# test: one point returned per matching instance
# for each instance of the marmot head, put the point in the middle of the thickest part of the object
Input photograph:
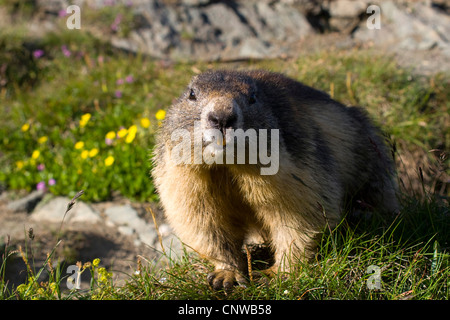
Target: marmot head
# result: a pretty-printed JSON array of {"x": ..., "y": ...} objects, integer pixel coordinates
[
  {"x": 219, "y": 112},
  {"x": 224, "y": 99}
]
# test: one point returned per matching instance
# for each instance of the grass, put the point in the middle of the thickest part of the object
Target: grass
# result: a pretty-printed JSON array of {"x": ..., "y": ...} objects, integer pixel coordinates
[
  {"x": 410, "y": 265},
  {"x": 80, "y": 115}
]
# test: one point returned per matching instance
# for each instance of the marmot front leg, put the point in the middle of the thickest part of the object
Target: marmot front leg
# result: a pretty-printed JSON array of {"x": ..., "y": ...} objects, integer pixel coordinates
[
  {"x": 228, "y": 261},
  {"x": 292, "y": 240},
  {"x": 291, "y": 248}
]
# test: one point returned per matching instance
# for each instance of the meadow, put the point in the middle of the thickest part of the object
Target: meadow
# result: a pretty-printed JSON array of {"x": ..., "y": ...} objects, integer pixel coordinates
[{"x": 78, "y": 114}]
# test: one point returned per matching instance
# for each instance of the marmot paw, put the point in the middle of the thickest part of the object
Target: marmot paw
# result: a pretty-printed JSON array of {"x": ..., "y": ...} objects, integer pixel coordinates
[{"x": 225, "y": 279}]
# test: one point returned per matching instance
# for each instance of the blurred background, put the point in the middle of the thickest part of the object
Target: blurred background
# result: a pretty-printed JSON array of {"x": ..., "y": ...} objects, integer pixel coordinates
[{"x": 84, "y": 86}]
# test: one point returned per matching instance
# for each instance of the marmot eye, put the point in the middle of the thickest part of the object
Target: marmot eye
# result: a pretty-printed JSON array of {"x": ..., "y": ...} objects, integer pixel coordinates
[
  {"x": 192, "y": 95},
  {"x": 252, "y": 99}
]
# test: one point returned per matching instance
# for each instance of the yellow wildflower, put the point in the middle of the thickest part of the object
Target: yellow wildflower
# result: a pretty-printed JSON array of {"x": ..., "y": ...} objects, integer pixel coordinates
[
  {"x": 84, "y": 154},
  {"x": 96, "y": 262},
  {"x": 93, "y": 152},
  {"x": 35, "y": 154},
  {"x": 131, "y": 134},
  {"x": 122, "y": 132},
  {"x": 21, "y": 288},
  {"x": 85, "y": 119},
  {"x": 104, "y": 276},
  {"x": 20, "y": 164},
  {"x": 53, "y": 286},
  {"x": 43, "y": 139},
  {"x": 145, "y": 123},
  {"x": 109, "y": 161},
  {"x": 132, "y": 129},
  {"x": 79, "y": 145},
  {"x": 110, "y": 135},
  {"x": 160, "y": 115},
  {"x": 25, "y": 127}
]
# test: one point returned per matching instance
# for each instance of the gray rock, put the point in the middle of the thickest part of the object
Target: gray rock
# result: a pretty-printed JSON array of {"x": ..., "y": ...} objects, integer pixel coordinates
[
  {"x": 259, "y": 29},
  {"x": 27, "y": 203},
  {"x": 53, "y": 211},
  {"x": 165, "y": 230},
  {"x": 83, "y": 213},
  {"x": 121, "y": 215},
  {"x": 148, "y": 236},
  {"x": 173, "y": 247},
  {"x": 129, "y": 223},
  {"x": 415, "y": 32},
  {"x": 347, "y": 8},
  {"x": 213, "y": 30},
  {"x": 126, "y": 230},
  {"x": 422, "y": 29}
]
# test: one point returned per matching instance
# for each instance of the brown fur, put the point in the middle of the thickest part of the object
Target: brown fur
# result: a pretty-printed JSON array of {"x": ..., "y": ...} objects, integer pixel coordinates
[{"x": 331, "y": 159}]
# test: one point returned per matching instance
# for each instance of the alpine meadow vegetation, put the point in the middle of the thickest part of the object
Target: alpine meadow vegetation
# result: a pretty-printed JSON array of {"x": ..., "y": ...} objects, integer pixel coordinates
[{"x": 78, "y": 114}]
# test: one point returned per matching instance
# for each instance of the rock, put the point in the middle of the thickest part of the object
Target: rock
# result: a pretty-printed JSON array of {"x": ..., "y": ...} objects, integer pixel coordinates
[
  {"x": 423, "y": 30},
  {"x": 173, "y": 247},
  {"x": 165, "y": 230},
  {"x": 345, "y": 15},
  {"x": 171, "y": 243},
  {"x": 211, "y": 30},
  {"x": 126, "y": 230},
  {"x": 121, "y": 215},
  {"x": 215, "y": 30},
  {"x": 148, "y": 236},
  {"x": 54, "y": 210},
  {"x": 415, "y": 32},
  {"x": 347, "y": 8},
  {"x": 83, "y": 213},
  {"x": 27, "y": 203},
  {"x": 129, "y": 223}
]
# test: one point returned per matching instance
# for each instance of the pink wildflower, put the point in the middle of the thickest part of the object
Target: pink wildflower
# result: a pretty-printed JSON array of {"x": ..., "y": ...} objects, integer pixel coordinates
[
  {"x": 65, "y": 51},
  {"x": 129, "y": 79},
  {"x": 40, "y": 185},
  {"x": 38, "y": 53}
]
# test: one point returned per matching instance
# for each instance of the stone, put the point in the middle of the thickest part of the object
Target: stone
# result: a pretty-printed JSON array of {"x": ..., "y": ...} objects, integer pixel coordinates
[
  {"x": 402, "y": 30},
  {"x": 54, "y": 210},
  {"x": 126, "y": 230},
  {"x": 83, "y": 213},
  {"x": 148, "y": 236},
  {"x": 206, "y": 30},
  {"x": 347, "y": 8},
  {"x": 128, "y": 222},
  {"x": 121, "y": 215},
  {"x": 165, "y": 230},
  {"x": 173, "y": 246},
  {"x": 215, "y": 30},
  {"x": 27, "y": 203}
]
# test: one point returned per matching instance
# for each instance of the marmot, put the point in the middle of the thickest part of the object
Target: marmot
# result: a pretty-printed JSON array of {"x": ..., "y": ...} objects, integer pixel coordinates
[{"x": 331, "y": 159}]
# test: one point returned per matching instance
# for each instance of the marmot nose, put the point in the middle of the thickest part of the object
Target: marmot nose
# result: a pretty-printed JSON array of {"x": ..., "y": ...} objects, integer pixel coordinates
[{"x": 222, "y": 120}]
